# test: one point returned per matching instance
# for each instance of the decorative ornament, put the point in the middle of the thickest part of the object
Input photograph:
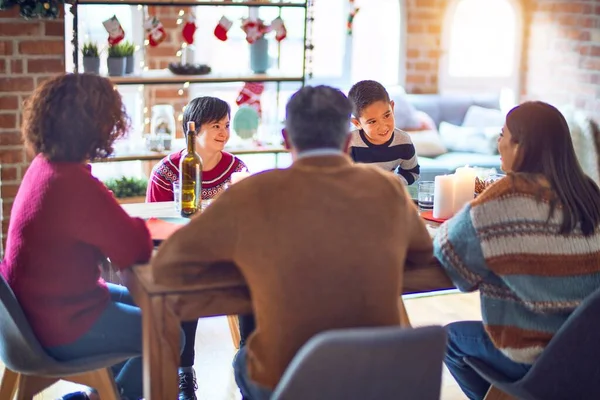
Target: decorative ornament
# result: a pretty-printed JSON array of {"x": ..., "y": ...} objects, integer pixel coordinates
[
  {"x": 254, "y": 29},
  {"x": 155, "y": 31},
  {"x": 250, "y": 95},
  {"x": 114, "y": 29},
  {"x": 279, "y": 27},
  {"x": 189, "y": 28},
  {"x": 222, "y": 28},
  {"x": 30, "y": 9},
  {"x": 245, "y": 122},
  {"x": 351, "y": 16}
]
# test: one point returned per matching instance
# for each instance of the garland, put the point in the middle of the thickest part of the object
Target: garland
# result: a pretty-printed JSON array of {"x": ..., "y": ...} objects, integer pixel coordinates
[{"x": 30, "y": 9}]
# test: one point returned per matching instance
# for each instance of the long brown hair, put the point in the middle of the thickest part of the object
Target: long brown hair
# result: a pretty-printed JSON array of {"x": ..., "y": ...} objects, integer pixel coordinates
[
  {"x": 546, "y": 148},
  {"x": 74, "y": 117}
]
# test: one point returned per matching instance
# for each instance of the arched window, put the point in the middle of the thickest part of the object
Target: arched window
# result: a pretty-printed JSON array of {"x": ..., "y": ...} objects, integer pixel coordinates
[{"x": 481, "y": 46}]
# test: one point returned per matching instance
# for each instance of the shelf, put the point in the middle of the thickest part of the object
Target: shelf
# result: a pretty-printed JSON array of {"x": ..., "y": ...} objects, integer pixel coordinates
[
  {"x": 195, "y": 3},
  {"x": 165, "y": 76},
  {"x": 157, "y": 155}
]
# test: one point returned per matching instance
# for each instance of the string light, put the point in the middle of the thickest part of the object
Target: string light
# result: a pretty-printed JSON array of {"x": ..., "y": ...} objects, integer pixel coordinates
[{"x": 180, "y": 92}]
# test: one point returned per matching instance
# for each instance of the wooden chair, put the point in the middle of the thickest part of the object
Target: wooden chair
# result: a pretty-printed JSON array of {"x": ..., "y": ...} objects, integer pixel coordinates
[{"x": 29, "y": 369}]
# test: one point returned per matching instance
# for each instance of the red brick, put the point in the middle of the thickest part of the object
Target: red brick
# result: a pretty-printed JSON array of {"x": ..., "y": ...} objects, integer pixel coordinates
[
  {"x": 16, "y": 66},
  {"x": 9, "y": 103},
  {"x": 11, "y": 138},
  {"x": 164, "y": 51},
  {"x": 10, "y": 190},
  {"x": 11, "y": 157},
  {"x": 20, "y": 84},
  {"x": 21, "y": 28},
  {"x": 10, "y": 13},
  {"x": 416, "y": 78},
  {"x": 8, "y": 121},
  {"x": 6, "y": 206},
  {"x": 9, "y": 173},
  {"x": 412, "y": 53},
  {"x": 3, "y": 65},
  {"x": 6, "y": 48},
  {"x": 166, "y": 93},
  {"x": 42, "y": 47},
  {"x": 37, "y": 66},
  {"x": 415, "y": 27},
  {"x": 423, "y": 66},
  {"x": 55, "y": 28}
]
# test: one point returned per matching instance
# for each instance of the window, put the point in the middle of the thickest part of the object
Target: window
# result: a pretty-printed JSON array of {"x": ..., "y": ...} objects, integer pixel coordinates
[{"x": 482, "y": 46}]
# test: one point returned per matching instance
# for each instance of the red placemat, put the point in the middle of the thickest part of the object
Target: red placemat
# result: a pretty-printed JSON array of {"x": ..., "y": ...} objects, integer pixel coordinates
[
  {"x": 160, "y": 229},
  {"x": 428, "y": 215}
]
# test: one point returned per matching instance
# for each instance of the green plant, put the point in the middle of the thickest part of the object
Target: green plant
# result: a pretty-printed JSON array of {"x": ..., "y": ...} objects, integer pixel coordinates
[
  {"x": 90, "y": 49},
  {"x": 127, "y": 187},
  {"x": 128, "y": 49},
  {"x": 116, "y": 51}
]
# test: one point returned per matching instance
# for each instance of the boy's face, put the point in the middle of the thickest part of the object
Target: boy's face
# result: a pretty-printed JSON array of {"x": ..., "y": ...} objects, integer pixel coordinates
[
  {"x": 377, "y": 121},
  {"x": 213, "y": 136}
]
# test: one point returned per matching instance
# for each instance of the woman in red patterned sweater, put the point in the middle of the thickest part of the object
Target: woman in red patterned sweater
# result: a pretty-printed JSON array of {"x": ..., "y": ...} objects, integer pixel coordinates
[
  {"x": 64, "y": 223},
  {"x": 211, "y": 116}
]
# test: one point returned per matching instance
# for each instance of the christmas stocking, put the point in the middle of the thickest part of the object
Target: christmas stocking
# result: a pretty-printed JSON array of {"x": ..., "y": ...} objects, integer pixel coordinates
[
  {"x": 114, "y": 29},
  {"x": 189, "y": 28},
  {"x": 155, "y": 31},
  {"x": 222, "y": 27},
  {"x": 279, "y": 28},
  {"x": 250, "y": 95},
  {"x": 254, "y": 29}
]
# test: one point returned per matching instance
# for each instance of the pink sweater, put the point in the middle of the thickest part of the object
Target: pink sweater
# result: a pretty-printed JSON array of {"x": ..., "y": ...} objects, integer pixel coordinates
[{"x": 63, "y": 221}]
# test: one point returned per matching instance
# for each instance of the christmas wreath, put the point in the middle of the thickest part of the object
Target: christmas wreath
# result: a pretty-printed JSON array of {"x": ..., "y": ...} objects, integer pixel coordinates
[{"x": 30, "y": 9}]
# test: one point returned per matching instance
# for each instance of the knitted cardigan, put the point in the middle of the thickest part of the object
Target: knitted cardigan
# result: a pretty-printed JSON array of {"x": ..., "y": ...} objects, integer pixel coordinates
[{"x": 530, "y": 277}]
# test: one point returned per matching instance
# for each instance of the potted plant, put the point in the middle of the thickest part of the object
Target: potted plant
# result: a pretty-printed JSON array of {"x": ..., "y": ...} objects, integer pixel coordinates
[
  {"x": 116, "y": 60},
  {"x": 128, "y": 190},
  {"x": 128, "y": 50},
  {"x": 91, "y": 58}
]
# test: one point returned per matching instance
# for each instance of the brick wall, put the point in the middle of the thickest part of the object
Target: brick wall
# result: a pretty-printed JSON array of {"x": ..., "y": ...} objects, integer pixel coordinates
[
  {"x": 160, "y": 56},
  {"x": 424, "y": 26},
  {"x": 30, "y": 51},
  {"x": 562, "y": 53}
]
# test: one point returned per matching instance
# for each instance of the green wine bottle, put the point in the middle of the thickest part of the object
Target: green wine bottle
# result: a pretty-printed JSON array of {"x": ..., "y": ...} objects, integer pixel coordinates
[{"x": 190, "y": 175}]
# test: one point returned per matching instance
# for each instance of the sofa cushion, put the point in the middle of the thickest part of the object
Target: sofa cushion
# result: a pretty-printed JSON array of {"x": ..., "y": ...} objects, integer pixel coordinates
[
  {"x": 482, "y": 140},
  {"x": 427, "y": 143}
]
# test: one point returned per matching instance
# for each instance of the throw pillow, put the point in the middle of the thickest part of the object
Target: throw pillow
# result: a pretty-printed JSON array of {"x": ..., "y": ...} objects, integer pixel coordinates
[
  {"x": 480, "y": 117},
  {"x": 427, "y": 143},
  {"x": 470, "y": 139}
]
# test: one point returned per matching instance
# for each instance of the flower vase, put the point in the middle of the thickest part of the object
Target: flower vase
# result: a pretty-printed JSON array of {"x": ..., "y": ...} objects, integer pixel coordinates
[{"x": 259, "y": 56}]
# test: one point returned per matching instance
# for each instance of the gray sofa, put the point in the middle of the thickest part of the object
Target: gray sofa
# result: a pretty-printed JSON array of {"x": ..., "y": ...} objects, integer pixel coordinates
[{"x": 451, "y": 108}]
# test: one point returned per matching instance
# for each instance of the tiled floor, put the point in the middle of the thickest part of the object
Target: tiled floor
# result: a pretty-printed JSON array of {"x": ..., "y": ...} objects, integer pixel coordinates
[{"x": 214, "y": 347}]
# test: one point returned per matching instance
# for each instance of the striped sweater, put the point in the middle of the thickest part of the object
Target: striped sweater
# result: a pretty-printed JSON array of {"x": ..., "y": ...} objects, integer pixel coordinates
[
  {"x": 397, "y": 154},
  {"x": 529, "y": 276}
]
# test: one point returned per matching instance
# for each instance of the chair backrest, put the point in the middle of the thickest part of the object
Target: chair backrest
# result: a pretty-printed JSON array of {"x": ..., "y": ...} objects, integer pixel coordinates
[
  {"x": 367, "y": 364},
  {"x": 569, "y": 367},
  {"x": 19, "y": 348}
]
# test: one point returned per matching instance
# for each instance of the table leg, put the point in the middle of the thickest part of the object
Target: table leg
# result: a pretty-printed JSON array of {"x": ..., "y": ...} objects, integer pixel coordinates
[{"x": 162, "y": 333}]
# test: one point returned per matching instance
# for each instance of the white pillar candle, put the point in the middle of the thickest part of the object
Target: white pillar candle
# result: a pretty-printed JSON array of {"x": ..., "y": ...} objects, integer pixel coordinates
[
  {"x": 443, "y": 196},
  {"x": 464, "y": 186},
  {"x": 238, "y": 176}
]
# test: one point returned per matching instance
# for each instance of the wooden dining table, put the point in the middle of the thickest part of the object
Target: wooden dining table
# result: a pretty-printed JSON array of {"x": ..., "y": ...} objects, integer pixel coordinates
[{"x": 222, "y": 291}]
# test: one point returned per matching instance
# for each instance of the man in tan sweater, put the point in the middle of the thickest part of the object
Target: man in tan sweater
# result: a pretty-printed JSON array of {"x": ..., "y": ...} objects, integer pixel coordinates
[{"x": 322, "y": 244}]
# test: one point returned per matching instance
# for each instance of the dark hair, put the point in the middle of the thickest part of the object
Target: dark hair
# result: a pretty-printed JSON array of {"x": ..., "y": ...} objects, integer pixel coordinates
[
  {"x": 318, "y": 118},
  {"x": 73, "y": 118},
  {"x": 365, "y": 93},
  {"x": 546, "y": 148},
  {"x": 203, "y": 110}
]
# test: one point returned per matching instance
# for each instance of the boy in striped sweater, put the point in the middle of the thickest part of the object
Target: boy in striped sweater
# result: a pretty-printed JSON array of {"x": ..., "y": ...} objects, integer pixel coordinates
[{"x": 376, "y": 139}]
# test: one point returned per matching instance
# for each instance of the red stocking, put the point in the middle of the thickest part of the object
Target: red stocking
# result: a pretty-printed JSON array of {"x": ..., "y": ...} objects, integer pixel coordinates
[
  {"x": 279, "y": 28},
  {"x": 189, "y": 28},
  {"x": 250, "y": 95},
  {"x": 114, "y": 29},
  {"x": 155, "y": 31},
  {"x": 222, "y": 27}
]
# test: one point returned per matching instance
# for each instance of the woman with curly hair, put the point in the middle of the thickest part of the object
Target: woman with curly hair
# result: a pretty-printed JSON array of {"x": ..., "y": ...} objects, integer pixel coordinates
[
  {"x": 530, "y": 243},
  {"x": 64, "y": 223}
]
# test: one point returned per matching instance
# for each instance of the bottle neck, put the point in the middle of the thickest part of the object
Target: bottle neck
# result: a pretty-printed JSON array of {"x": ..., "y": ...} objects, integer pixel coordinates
[{"x": 191, "y": 142}]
